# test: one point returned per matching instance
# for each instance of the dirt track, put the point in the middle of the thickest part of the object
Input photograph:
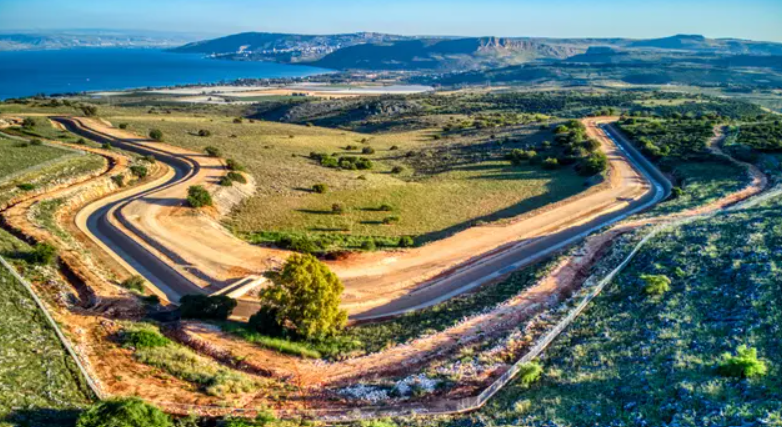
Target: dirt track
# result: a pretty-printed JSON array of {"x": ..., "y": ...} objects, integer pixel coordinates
[{"x": 377, "y": 284}]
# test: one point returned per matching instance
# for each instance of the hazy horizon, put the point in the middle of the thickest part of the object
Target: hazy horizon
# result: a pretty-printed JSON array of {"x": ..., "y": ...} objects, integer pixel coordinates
[{"x": 752, "y": 19}]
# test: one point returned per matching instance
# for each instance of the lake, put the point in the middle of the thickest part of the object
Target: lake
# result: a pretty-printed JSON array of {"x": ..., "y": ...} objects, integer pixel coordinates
[{"x": 29, "y": 73}]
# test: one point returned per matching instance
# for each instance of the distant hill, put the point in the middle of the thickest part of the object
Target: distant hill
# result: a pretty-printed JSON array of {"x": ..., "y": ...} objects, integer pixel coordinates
[
  {"x": 91, "y": 39},
  {"x": 374, "y": 51}
]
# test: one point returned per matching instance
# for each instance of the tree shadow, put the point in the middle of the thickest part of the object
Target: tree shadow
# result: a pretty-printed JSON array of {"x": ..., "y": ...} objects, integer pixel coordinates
[{"x": 42, "y": 417}]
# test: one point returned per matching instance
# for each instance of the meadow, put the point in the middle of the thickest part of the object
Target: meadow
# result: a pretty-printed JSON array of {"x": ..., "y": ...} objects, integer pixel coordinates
[{"x": 399, "y": 196}]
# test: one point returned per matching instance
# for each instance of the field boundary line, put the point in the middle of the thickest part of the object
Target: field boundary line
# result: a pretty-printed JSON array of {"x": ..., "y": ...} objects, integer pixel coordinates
[{"x": 63, "y": 339}]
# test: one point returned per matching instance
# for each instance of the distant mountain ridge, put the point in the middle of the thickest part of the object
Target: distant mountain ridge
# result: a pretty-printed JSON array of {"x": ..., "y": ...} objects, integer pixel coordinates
[
  {"x": 376, "y": 51},
  {"x": 89, "y": 39}
]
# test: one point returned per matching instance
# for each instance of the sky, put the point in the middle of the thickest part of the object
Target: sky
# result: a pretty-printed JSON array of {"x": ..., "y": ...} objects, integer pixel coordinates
[{"x": 749, "y": 19}]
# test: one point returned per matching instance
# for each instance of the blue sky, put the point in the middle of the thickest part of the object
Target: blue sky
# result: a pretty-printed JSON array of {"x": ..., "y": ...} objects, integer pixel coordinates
[{"x": 753, "y": 19}]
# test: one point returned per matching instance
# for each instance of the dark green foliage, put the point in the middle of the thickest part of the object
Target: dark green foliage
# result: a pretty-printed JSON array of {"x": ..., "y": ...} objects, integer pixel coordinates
[
  {"x": 118, "y": 180},
  {"x": 369, "y": 245},
  {"x": 676, "y": 192},
  {"x": 106, "y": 146},
  {"x": 198, "y": 197},
  {"x": 529, "y": 373},
  {"x": 397, "y": 170},
  {"x": 342, "y": 162},
  {"x": 385, "y": 208},
  {"x": 81, "y": 141},
  {"x": 126, "y": 412},
  {"x": 225, "y": 182},
  {"x": 669, "y": 138},
  {"x": 123, "y": 126},
  {"x": 26, "y": 186},
  {"x": 143, "y": 338},
  {"x": 139, "y": 171},
  {"x": 29, "y": 123},
  {"x": 337, "y": 208},
  {"x": 406, "y": 242},
  {"x": 207, "y": 307},
  {"x": 766, "y": 136},
  {"x": 238, "y": 120},
  {"x": 233, "y": 165},
  {"x": 656, "y": 284},
  {"x": 135, "y": 283},
  {"x": 367, "y": 150},
  {"x": 36, "y": 142},
  {"x": 391, "y": 220},
  {"x": 204, "y": 133},
  {"x": 594, "y": 164},
  {"x": 265, "y": 321},
  {"x": 551, "y": 164},
  {"x": 42, "y": 254},
  {"x": 263, "y": 419},
  {"x": 156, "y": 135},
  {"x": 89, "y": 110},
  {"x": 236, "y": 177},
  {"x": 320, "y": 188},
  {"x": 518, "y": 156},
  {"x": 212, "y": 151}
]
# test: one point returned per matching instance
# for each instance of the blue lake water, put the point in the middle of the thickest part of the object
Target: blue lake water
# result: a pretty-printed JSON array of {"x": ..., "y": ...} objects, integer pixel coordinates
[{"x": 59, "y": 71}]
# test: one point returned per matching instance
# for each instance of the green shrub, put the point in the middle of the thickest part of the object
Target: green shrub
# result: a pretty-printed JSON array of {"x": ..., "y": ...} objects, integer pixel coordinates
[
  {"x": 106, "y": 146},
  {"x": 123, "y": 126},
  {"x": 143, "y": 338},
  {"x": 397, "y": 170},
  {"x": 198, "y": 197},
  {"x": 139, "y": 171},
  {"x": 36, "y": 142},
  {"x": 530, "y": 373},
  {"x": 745, "y": 364},
  {"x": 217, "y": 307},
  {"x": 368, "y": 245},
  {"x": 204, "y": 133},
  {"x": 89, "y": 110},
  {"x": 594, "y": 164},
  {"x": 26, "y": 186},
  {"x": 135, "y": 283},
  {"x": 149, "y": 159},
  {"x": 81, "y": 141},
  {"x": 367, "y": 150},
  {"x": 126, "y": 412},
  {"x": 212, "y": 151},
  {"x": 118, "y": 180},
  {"x": 550, "y": 164},
  {"x": 236, "y": 177},
  {"x": 337, "y": 208},
  {"x": 266, "y": 321},
  {"x": 394, "y": 147},
  {"x": 225, "y": 182},
  {"x": 238, "y": 120},
  {"x": 656, "y": 285},
  {"x": 42, "y": 254},
  {"x": 406, "y": 242},
  {"x": 676, "y": 192},
  {"x": 385, "y": 208},
  {"x": 233, "y": 165},
  {"x": 320, "y": 188},
  {"x": 29, "y": 123},
  {"x": 156, "y": 135}
]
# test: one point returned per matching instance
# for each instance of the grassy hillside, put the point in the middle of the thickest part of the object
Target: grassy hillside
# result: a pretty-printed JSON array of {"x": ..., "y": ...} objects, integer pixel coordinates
[
  {"x": 634, "y": 359},
  {"x": 442, "y": 185}
]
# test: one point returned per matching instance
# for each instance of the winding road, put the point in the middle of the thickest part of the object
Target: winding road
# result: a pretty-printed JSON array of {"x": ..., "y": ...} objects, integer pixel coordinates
[{"x": 125, "y": 226}]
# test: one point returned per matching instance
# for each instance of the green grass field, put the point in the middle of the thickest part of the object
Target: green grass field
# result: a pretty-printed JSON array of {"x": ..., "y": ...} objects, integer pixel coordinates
[
  {"x": 429, "y": 204},
  {"x": 14, "y": 157},
  {"x": 633, "y": 359}
]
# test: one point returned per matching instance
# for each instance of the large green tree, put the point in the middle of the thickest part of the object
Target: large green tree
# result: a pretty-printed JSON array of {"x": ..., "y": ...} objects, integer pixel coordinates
[{"x": 306, "y": 298}]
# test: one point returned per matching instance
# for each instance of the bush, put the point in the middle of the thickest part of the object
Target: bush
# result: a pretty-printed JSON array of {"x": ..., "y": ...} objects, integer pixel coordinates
[
  {"x": 397, "y": 170},
  {"x": 306, "y": 296},
  {"x": 385, "y": 208},
  {"x": 42, "y": 253},
  {"x": 212, "y": 151},
  {"x": 367, "y": 150},
  {"x": 530, "y": 373},
  {"x": 225, "y": 182},
  {"x": 406, "y": 242},
  {"x": 320, "y": 188},
  {"x": 550, "y": 164},
  {"x": 233, "y": 165},
  {"x": 135, "y": 283},
  {"x": 36, "y": 142},
  {"x": 89, "y": 110},
  {"x": 139, "y": 171},
  {"x": 266, "y": 321},
  {"x": 143, "y": 338},
  {"x": 206, "y": 307},
  {"x": 81, "y": 141},
  {"x": 368, "y": 245},
  {"x": 745, "y": 364},
  {"x": 337, "y": 208},
  {"x": 677, "y": 192},
  {"x": 123, "y": 126},
  {"x": 156, "y": 135},
  {"x": 198, "y": 197},
  {"x": 236, "y": 177},
  {"x": 204, "y": 133},
  {"x": 149, "y": 159},
  {"x": 394, "y": 147},
  {"x": 127, "y": 412},
  {"x": 29, "y": 123},
  {"x": 106, "y": 146},
  {"x": 656, "y": 285},
  {"x": 25, "y": 186},
  {"x": 594, "y": 164},
  {"x": 118, "y": 180},
  {"x": 238, "y": 120}
]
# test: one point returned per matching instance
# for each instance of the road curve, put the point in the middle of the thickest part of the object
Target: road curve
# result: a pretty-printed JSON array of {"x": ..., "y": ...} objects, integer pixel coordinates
[{"x": 117, "y": 233}]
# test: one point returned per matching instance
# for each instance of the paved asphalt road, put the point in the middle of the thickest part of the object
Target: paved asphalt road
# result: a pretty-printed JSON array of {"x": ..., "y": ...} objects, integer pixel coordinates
[{"x": 175, "y": 285}]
